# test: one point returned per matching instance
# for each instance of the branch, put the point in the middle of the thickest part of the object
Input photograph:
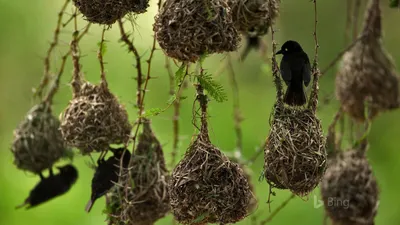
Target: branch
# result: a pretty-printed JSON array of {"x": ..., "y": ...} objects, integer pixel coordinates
[
  {"x": 315, "y": 35},
  {"x": 237, "y": 117},
  {"x": 76, "y": 77},
  {"x": 100, "y": 57},
  {"x": 277, "y": 210},
  {"x": 46, "y": 76}
]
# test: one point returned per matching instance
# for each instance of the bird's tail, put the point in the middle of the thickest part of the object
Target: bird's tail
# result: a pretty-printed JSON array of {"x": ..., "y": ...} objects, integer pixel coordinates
[
  {"x": 295, "y": 97},
  {"x": 89, "y": 205}
]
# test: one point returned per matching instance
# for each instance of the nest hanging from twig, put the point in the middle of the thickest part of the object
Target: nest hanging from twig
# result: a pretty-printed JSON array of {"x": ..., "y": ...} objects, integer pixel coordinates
[
  {"x": 148, "y": 200},
  {"x": 254, "y": 17},
  {"x": 295, "y": 154},
  {"x": 94, "y": 119},
  {"x": 368, "y": 73},
  {"x": 349, "y": 189},
  {"x": 38, "y": 143},
  {"x": 188, "y": 29},
  {"x": 108, "y": 11}
]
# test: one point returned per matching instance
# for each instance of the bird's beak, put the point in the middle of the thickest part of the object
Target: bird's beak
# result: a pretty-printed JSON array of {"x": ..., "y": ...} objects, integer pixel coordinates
[
  {"x": 59, "y": 168},
  {"x": 279, "y": 52}
]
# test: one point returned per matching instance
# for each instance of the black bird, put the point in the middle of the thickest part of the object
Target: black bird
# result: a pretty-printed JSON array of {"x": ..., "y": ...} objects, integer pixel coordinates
[
  {"x": 296, "y": 71},
  {"x": 107, "y": 174},
  {"x": 51, "y": 187}
]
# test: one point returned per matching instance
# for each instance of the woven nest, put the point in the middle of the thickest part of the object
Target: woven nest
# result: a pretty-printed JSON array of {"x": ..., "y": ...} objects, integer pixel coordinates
[
  {"x": 368, "y": 73},
  {"x": 109, "y": 11},
  {"x": 349, "y": 190},
  {"x": 295, "y": 154},
  {"x": 206, "y": 187},
  {"x": 94, "y": 119},
  {"x": 186, "y": 30},
  {"x": 254, "y": 16},
  {"x": 149, "y": 200},
  {"x": 38, "y": 143}
]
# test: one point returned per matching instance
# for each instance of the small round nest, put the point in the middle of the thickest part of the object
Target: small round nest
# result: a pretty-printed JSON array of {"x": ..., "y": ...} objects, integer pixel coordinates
[
  {"x": 295, "y": 153},
  {"x": 206, "y": 187},
  {"x": 149, "y": 200},
  {"x": 349, "y": 189},
  {"x": 367, "y": 73},
  {"x": 188, "y": 29},
  {"x": 254, "y": 17},
  {"x": 38, "y": 143},
  {"x": 108, "y": 11},
  {"x": 94, "y": 119}
]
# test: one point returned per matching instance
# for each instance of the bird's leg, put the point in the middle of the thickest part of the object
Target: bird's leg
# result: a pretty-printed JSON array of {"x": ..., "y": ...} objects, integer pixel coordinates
[{"x": 41, "y": 176}]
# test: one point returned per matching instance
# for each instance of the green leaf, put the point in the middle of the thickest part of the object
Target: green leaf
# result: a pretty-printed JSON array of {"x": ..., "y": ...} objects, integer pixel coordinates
[
  {"x": 180, "y": 74},
  {"x": 213, "y": 88},
  {"x": 103, "y": 48},
  {"x": 153, "y": 112}
]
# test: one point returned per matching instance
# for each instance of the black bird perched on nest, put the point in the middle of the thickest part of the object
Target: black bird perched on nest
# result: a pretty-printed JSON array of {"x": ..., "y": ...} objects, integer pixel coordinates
[
  {"x": 295, "y": 70},
  {"x": 51, "y": 187},
  {"x": 107, "y": 174}
]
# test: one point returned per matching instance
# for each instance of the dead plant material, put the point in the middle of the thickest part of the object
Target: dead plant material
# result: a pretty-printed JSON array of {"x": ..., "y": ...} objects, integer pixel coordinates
[
  {"x": 149, "y": 199},
  {"x": 188, "y": 29},
  {"x": 94, "y": 119},
  {"x": 206, "y": 187},
  {"x": 254, "y": 17},
  {"x": 38, "y": 143},
  {"x": 295, "y": 154},
  {"x": 349, "y": 189},
  {"x": 368, "y": 72},
  {"x": 108, "y": 11}
]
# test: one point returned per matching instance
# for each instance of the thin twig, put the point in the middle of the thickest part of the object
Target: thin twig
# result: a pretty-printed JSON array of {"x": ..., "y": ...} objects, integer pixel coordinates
[
  {"x": 100, "y": 57},
  {"x": 277, "y": 210},
  {"x": 56, "y": 84},
  {"x": 76, "y": 77},
  {"x": 46, "y": 76},
  {"x": 237, "y": 115},
  {"x": 315, "y": 35}
]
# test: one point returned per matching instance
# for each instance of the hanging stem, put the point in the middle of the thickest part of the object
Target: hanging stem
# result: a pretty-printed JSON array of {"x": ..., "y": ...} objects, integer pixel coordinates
[
  {"x": 347, "y": 31},
  {"x": 277, "y": 210},
  {"x": 356, "y": 16},
  {"x": 76, "y": 78},
  {"x": 313, "y": 100},
  {"x": 237, "y": 115},
  {"x": 101, "y": 61},
  {"x": 46, "y": 76},
  {"x": 56, "y": 84}
]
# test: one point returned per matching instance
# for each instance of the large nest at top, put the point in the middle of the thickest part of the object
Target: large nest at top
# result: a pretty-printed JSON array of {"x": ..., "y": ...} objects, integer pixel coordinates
[
  {"x": 188, "y": 29},
  {"x": 295, "y": 154},
  {"x": 148, "y": 199},
  {"x": 349, "y": 189},
  {"x": 38, "y": 143},
  {"x": 109, "y": 11},
  {"x": 94, "y": 119},
  {"x": 368, "y": 73},
  {"x": 206, "y": 187},
  {"x": 254, "y": 16}
]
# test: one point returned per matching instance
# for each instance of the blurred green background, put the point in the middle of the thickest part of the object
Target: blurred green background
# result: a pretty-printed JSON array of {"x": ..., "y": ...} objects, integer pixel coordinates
[{"x": 27, "y": 29}]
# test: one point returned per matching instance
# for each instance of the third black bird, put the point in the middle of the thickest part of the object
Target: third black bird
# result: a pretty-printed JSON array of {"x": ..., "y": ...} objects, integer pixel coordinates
[
  {"x": 107, "y": 174},
  {"x": 296, "y": 71},
  {"x": 52, "y": 186}
]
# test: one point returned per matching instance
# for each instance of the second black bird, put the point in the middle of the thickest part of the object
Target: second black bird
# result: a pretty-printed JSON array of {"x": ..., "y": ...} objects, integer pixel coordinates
[
  {"x": 296, "y": 71},
  {"x": 107, "y": 174}
]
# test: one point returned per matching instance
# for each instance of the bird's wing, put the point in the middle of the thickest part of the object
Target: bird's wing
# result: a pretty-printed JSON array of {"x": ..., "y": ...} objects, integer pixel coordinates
[
  {"x": 286, "y": 71},
  {"x": 306, "y": 71}
]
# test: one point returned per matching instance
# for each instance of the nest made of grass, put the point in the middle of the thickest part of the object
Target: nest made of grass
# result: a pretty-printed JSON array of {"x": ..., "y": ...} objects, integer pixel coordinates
[
  {"x": 94, "y": 119},
  {"x": 148, "y": 200},
  {"x": 109, "y": 11},
  {"x": 206, "y": 187},
  {"x": 254, "y": 16},
  {"x": 38, "y": 143},
  {"x": 349, "y": 189},
  {"x": 186, "y": 30},
  {"x": 295, "y": 153}
]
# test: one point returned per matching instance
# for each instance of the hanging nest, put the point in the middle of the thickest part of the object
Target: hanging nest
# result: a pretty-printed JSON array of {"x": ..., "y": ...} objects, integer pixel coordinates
[
  {"x": 38, "y": 143},
  {"x": 94, "y": 119},
  {"x": 108, "y": 11},
  {"x": 186, "y": 30},
  {"x": 295, "y": 153},
  {"x": 254, "y": 17},
  {"x": 148, "y": 201},
  {"x": 349, "y": 189},
  {"x": 368, "y": 73}
]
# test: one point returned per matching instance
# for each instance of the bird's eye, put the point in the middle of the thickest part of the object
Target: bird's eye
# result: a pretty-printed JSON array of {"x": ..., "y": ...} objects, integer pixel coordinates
[{"x": 286, "y": 49}]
